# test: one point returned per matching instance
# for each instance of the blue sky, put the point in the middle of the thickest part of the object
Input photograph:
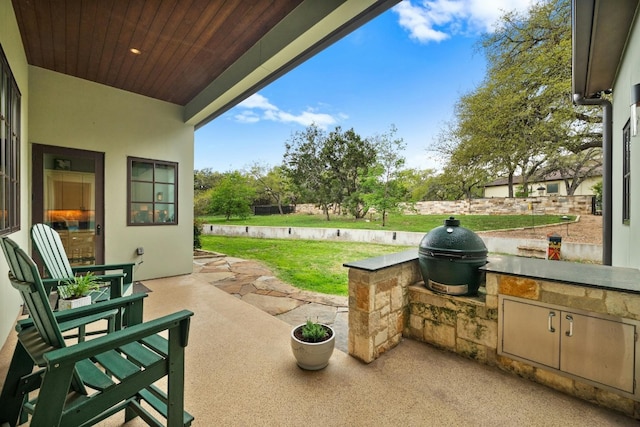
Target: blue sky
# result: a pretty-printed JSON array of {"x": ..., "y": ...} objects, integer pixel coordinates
[{"x": 407, "y": 67}]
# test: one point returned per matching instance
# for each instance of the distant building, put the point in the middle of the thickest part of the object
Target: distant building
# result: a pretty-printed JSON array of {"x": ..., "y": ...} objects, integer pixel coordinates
[{"x": 552, "y": 185}]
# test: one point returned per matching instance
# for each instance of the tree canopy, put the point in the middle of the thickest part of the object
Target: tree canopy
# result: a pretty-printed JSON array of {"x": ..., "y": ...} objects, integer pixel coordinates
[
  {"x": 232, "y": 196},
  {"x": 521, "y": 118},
  {"x": 329, "y": 169}
]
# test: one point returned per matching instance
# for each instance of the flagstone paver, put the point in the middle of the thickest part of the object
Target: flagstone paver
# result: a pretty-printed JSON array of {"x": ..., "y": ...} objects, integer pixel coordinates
[
  {"x": 255, "y": 284},
  {"x": 275, "y": 306}
]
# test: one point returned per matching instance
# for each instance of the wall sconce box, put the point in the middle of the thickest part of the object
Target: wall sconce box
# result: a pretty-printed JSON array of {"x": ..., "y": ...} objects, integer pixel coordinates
[{"x": 635, "y": 104}]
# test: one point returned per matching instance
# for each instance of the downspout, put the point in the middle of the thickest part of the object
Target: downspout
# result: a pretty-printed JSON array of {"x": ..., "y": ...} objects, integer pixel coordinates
[{"x": 607, "y": 168}]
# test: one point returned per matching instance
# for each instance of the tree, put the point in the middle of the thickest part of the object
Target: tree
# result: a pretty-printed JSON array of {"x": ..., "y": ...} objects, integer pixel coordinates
[
  {"x": 232, "y": 196},
  {"x": 271, "y": 182},
  {"x": 467, "y": 168},
  {"x": 205, "y": 179},
  {"x": 521, "y": 116},
  {"x": 329, "y": 170},
  {"x": 574, "y": 169},
  {"x": 417, "y": 183},
  {"x": 348, "y": 159},
  {"x": 202, "y": 203},
  {"x": 385, "y": 190},
  {"x": 306, "y": 169}
]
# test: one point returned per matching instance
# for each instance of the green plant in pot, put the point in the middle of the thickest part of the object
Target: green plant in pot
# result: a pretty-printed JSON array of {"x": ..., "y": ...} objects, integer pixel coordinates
[
  {"x": 75, "y": 292},
  {"x": 312, "y": 344}
]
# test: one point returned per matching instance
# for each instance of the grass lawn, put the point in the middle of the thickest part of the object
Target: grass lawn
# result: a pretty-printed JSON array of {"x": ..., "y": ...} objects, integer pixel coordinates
[
  {"x": 306, "y": 264},
  {"x": 396, "y": 222},
  {"x": 317, "y": 265}
]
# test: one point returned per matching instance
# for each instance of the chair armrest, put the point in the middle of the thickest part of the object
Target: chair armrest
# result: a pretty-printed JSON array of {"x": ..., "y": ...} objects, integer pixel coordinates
[
  {"x": 86, "y": 349},
  {"x": 126, "y": 267},
  {"x": 116, "y": 283},
  {"x": 89, "y": 310},
  {"x": 106, "y": 305},
  {"x": 109, "y": 277},
  {"x": 83, "y": 321},
  {"x": 127, "y": 272}
]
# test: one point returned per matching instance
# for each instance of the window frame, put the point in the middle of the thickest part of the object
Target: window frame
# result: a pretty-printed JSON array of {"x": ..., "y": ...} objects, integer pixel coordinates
[
  {"x": 552, "y": 186},
  {"x": 154, "y": 182},
  {"x": 10, "y": 140},
  {"x": 626, "y": 173}
]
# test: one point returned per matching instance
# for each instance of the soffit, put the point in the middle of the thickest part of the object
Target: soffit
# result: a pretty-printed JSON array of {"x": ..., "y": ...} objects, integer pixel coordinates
[
  {"x": 600, "y": 31},
  {"x": 184, "y": 44}
]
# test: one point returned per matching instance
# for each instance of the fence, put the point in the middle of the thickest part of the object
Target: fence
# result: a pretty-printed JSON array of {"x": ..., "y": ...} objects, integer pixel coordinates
[{"x": 273, "y": 209}]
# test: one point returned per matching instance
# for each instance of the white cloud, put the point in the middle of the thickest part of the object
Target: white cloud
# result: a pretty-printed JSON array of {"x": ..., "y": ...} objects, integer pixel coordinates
[
  {"x": 258, "y": 107},
  {"x": 247, "y": 117},
  {"x": 437, "y": 20},
  {"x": 257, "y": 101}
]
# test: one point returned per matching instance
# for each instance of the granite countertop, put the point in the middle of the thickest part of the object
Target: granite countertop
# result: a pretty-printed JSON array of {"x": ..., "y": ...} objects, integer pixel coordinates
[
  {"x": 384, "y": 261},
  {"x": 591, "y": 275}
]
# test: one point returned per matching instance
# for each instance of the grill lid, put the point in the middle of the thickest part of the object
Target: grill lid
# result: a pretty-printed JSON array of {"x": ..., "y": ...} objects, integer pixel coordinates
[{"x": 452, "y": 240}]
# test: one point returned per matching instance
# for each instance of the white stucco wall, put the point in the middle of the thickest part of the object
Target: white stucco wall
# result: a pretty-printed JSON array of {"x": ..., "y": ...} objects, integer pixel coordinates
[
  {"x": 12, "y": 45},
  {"x": 625, "y": 238},
  {"x": 584, "y": 189},
  {"x": 70, "y": 112}
]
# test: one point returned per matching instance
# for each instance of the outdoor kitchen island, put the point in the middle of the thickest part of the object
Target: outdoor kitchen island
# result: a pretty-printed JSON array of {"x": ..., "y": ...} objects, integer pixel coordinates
[{"x": 570, "y": 326}]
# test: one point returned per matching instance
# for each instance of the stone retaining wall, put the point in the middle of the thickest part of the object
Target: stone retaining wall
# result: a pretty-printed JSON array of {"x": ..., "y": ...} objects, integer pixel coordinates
[
  {"x": 546, "y": 205},
  {"x": 524, "y": 247}
]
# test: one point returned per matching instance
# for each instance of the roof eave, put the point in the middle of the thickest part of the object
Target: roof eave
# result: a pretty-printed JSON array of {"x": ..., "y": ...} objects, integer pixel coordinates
[{"x": 600, "y": 30}]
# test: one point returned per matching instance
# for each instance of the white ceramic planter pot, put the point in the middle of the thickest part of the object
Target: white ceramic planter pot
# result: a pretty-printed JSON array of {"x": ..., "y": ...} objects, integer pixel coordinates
[
  {"x": 66, "y": 304},
  {"x": 312, "y": 355}
]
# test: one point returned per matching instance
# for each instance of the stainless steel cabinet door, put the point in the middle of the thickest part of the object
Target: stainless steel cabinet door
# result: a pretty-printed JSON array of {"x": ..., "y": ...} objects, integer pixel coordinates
[
  {"x": 531, "y": 332},
  {"x": 598, "y": 349}
]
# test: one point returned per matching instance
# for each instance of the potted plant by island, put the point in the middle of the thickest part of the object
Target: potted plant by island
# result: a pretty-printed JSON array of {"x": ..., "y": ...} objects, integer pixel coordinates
[
  {"x": 312, "y": 344},
  {"x": 75, "y": 292}
]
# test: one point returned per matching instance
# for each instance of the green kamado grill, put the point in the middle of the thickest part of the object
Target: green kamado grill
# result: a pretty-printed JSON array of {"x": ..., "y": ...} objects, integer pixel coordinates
[{"x": 450, "y": 257}]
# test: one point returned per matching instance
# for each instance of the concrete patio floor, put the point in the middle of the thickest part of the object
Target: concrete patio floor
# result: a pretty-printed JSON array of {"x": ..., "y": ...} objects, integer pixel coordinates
[{"x": 240, "y": 372}]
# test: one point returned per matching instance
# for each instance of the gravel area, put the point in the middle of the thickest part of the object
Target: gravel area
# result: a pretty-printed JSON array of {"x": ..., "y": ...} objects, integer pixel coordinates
[{"x": 586, "y": 229}]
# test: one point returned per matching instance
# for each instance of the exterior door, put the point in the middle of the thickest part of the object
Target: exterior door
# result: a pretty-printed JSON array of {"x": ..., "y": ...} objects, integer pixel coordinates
[{"x": 68, "y": 195}]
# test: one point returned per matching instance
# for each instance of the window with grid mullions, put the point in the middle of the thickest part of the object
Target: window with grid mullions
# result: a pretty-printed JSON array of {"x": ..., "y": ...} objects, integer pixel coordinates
[{"x": 152, "y": 196}]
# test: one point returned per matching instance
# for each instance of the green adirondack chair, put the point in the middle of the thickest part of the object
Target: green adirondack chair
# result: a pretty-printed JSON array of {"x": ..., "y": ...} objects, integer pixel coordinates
[
  {"x": 48, "y": 244},
  {"x": 102, "y": 376}
]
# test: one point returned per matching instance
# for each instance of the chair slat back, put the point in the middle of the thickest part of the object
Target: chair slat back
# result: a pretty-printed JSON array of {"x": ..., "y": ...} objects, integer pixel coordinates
[
  {"x": 25, "y": 278},
  {"x": 49, "y": 246}
]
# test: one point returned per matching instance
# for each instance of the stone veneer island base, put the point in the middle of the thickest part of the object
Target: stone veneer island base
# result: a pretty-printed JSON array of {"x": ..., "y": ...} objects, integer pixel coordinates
[{"x": 572, "y": 327}]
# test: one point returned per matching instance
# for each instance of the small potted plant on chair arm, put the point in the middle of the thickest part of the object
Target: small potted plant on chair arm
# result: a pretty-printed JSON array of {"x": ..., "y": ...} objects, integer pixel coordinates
[{"x": 75, "y": 292}]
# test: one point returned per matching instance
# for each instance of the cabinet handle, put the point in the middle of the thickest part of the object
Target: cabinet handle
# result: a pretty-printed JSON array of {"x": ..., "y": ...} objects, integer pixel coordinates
[
  {"x": 550, "y": 327},
  {"x": 569, "y": 333}
]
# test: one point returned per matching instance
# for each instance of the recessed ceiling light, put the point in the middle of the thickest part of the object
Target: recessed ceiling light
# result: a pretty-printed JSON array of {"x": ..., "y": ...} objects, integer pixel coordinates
[{"x": 135, "y": 51}]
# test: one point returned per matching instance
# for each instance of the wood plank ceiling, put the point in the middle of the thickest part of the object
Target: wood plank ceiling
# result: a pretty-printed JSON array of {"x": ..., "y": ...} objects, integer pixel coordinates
[{"x": 183, "y": 44}]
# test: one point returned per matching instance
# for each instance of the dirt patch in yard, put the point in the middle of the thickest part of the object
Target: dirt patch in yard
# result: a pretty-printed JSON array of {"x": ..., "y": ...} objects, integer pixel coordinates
[{"x": 587, "y": 229}]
